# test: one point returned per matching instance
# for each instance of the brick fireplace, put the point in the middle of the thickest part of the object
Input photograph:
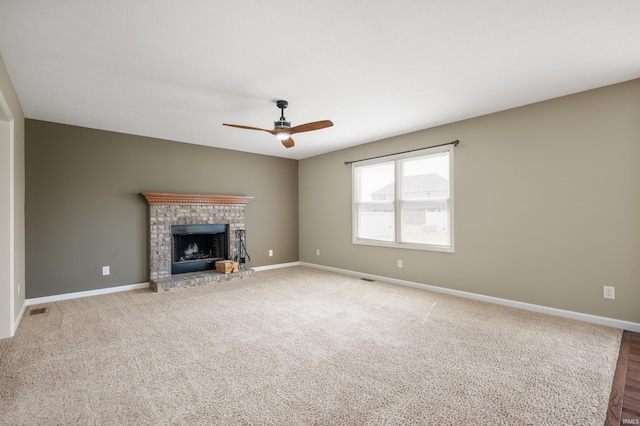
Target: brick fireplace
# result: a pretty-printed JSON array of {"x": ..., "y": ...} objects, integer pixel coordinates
[{"x": 167, "y": 210}]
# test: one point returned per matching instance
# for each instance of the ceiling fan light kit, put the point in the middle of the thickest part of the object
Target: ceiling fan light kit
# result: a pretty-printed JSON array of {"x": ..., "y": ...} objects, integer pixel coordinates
[{"x": 282, "y": 129}]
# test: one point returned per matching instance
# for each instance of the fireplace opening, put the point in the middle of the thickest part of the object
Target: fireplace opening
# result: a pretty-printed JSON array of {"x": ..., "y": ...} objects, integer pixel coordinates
[{"x": 197, "y": 247}]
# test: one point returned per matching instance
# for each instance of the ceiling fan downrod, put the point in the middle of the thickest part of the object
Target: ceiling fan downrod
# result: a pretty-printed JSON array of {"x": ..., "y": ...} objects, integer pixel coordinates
[{"x": 282, "y": 123}]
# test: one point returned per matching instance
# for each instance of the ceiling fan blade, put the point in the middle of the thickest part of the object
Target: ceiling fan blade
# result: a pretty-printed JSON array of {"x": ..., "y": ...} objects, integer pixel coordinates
[
  {"x": 288, "y": 143},
  {"x": 273, "y": 132},
  {"x": 245, "y": 127},
  {"x": 316, "y": 125}
]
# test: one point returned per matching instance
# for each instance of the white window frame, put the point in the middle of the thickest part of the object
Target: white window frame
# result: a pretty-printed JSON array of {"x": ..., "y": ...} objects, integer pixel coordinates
[{"x": 397, "y": 243}]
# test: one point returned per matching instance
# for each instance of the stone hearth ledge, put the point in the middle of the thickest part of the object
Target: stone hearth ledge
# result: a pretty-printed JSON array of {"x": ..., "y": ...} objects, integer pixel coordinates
[{"x": 193, "y": 279}]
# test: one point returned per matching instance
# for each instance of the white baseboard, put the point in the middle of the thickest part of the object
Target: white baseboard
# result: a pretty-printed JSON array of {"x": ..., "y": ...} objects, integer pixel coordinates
[
  {"x": 594, "y": 319},
  {"x": 20, "y": 315},
  {"x": 76, "y": 295},
  {"x": 279, "y": 265}
]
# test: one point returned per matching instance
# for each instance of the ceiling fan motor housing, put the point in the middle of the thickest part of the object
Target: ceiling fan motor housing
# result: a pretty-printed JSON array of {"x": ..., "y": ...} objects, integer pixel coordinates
[{"x": 281, "y": 124}]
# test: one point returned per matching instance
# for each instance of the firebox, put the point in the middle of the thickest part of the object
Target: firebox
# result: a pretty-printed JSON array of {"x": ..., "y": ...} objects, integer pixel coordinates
[{"x": 197, "y": 247}]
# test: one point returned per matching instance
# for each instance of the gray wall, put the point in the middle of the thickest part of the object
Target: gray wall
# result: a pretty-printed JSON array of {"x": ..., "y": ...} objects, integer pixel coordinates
[
  {"x": 84, "y": 211},
  {"x": 547, "y": 205}
]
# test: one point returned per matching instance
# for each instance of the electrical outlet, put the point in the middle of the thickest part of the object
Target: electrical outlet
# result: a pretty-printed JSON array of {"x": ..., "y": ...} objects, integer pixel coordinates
[
  {"x": 608, "y": 292},
  {"x": 106, "y": 270},
  {"x": 270, "y": 252},
  {"x": 317, "y": 252},
  {"x": 399, "y": 263}
]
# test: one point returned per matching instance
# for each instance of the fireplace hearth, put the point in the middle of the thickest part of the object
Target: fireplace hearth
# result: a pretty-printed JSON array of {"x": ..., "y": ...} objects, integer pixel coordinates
[{"x": 188, "y": 233}]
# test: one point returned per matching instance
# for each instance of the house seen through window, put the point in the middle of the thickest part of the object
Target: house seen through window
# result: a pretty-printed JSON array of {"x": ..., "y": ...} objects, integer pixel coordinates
[{"x": 405, "y": 200}]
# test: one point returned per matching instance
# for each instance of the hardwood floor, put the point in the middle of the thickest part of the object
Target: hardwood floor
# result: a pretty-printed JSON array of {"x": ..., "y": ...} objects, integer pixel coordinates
[{"x": 624, "y": 403}]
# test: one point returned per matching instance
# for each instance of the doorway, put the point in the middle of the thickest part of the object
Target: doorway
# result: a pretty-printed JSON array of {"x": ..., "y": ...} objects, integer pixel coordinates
[{"x": 7, "y": 302}]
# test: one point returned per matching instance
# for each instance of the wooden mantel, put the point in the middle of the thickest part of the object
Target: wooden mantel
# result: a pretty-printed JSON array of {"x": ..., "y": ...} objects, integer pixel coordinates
[{"x": 198, "y": 199}]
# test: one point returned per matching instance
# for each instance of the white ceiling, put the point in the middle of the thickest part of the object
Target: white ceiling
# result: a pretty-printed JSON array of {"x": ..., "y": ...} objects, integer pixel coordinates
[{"x": 178, "y": 69}]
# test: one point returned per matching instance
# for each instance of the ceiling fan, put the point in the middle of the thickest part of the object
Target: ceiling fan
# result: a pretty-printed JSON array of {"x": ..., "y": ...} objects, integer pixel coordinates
[{"x": 282, "y": 128}]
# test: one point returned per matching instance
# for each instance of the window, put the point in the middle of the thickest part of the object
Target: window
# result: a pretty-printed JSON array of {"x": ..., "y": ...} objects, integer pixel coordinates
[{"x": 405, "y": 200}]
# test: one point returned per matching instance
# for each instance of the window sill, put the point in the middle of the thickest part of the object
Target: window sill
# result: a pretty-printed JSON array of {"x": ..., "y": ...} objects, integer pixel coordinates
[{"x": 408, "y": 246}]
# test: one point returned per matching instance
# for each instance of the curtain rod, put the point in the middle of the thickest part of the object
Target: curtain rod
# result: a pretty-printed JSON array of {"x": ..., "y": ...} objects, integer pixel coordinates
[{"x": 454, "y": 143}]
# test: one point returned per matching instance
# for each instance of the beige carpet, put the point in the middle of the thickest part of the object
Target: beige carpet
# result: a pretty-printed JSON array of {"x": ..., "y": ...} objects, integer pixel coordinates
[{"x": 300, "y": 346}]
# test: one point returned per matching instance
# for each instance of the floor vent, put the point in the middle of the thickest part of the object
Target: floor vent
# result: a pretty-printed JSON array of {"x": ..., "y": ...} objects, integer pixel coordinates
[{"x": 37, "y": 311}]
